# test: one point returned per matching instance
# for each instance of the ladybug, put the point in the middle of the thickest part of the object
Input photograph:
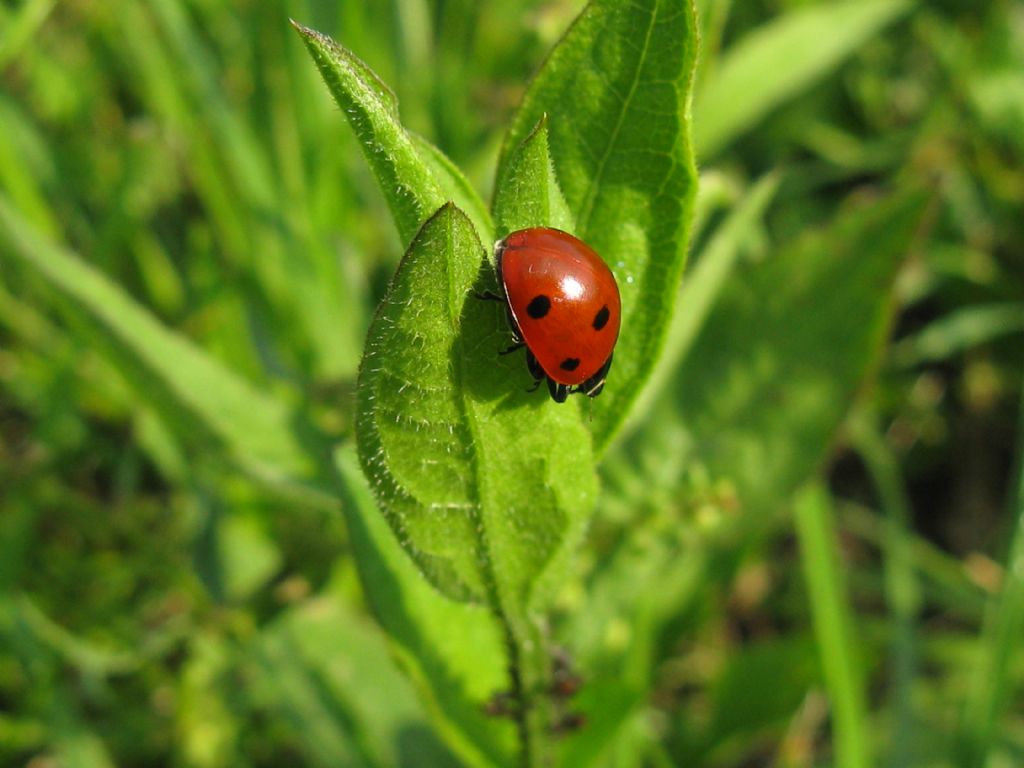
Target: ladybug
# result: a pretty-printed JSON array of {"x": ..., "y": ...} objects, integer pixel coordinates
[{"x": 563, "y": 305}]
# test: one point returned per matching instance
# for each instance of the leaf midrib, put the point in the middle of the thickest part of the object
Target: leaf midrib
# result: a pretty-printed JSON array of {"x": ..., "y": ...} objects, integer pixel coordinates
[
  {"x": 592, "y": 188},
  {"x": 476, "y": 439}
]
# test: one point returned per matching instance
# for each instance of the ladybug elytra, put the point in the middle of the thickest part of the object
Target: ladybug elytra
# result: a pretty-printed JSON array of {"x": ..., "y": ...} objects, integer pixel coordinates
[{"x": 563, "y": 306}]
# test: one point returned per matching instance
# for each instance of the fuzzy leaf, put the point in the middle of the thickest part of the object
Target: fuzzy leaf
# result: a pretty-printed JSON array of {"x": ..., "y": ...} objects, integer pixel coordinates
[
  {"x": 408, "y": 184},
  {"x": 489, "y": 510},
  {"x": 529, "y": 195},
  {"x": 616, "y": 92}
]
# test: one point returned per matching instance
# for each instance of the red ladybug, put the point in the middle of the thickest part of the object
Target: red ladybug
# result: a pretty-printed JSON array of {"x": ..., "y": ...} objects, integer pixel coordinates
[{"x": 563, "y": 306}]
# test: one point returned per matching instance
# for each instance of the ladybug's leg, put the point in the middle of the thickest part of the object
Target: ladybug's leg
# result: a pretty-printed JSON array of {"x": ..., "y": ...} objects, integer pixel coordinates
[
  {"x": 513, "y": 348},
  {"x": 535, "y": 370},
  {"x": 558, "y": 391},
  {"x": 592, "y": 387},
  {"x": 488, "y": 296},
  {"x": 517, "y": 337}
]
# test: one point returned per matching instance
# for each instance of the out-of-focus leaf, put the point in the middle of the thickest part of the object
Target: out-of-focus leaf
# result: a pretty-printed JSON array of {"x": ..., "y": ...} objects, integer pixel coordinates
[
  {"x": 79, "y": 747},
  {"x": 998, "y": 98},
  {"x": 701, "y": 288},
  {"x": 329, "y": 676},
  {"x": 248, "y": 554},
  {"x": 207, "y": 402},
  {"x": 453, "y": 652},
  {"x": 959, "y": 331},
  {"x": 778, "y": 60},
  {"x": 87, "y": 657},
  {"x": 786, "y": 667},
  {"x": 207, "y": 727},
  {"x": 610, "y": 707},
  {"x": 616, "y": 93},
  {"x": 787, "y": 345},
  {"x": 455, "y": 186},
  {"x": 20, "y": 28}
]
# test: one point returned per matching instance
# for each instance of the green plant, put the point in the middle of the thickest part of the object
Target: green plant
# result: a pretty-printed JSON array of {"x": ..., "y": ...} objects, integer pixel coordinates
[
  {"x": 776, "y": 538},
  {"x": 486, "y": 489}
]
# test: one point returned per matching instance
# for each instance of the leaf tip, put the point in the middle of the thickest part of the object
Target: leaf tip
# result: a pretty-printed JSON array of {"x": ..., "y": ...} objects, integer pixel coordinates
[{"x": 310, "y": 35}]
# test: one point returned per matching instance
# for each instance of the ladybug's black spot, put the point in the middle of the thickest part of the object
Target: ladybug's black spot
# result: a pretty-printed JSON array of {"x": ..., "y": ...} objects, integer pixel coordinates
[
  {"x": 570, "y": 364},
  {"x": 601, "y": 318},
  {"x": 538, "y": 306}
]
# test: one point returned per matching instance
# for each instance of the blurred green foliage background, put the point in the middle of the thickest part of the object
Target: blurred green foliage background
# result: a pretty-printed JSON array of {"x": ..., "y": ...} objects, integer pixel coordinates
[{"x": 159, "y": 607}]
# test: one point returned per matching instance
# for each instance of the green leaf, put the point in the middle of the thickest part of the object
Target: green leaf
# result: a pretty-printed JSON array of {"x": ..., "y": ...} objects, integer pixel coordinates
[
  {"x": 958, "y": 332},
  {"x": 490, "y": 510},
  {"x": 328, "y": 675},
  {"x": 784, "y": 666},
  {"x": 779, "y": 360},
  {"x": 207, "y": 728},
  {"x": 705, "y": 281},
  {"x": 453, "y": 652},
  {"x": 86, "y": 657},
  {"x": 207, "y": 402},
  {"x": 77, "y": 746},
  {"x": 778, "y": 60},
  {"x": 408, "y": 183},
  {"x": 529, "y": 195},
  {"x": 616, "y": 92},
  {"x": 248, "y": 556}
]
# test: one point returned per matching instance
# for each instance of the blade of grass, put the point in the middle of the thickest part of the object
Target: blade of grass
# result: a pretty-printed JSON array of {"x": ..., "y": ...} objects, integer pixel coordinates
[
  {"x": 778, "y": 60},
  {"x": 17, "y": 28},
  {"x": 959, "y": 331},
  {"x": 259, "y": 224},
  {"x": 25, "y": 166},
  {"x": 280, "y": 256},
  {"x": 945, "y": 580},
  {"x": 833, "y": 627},
  {"x": 210, "y": 405},
  {"x": 901, "y": 586},
  {"x": 1001, "y": 640}
]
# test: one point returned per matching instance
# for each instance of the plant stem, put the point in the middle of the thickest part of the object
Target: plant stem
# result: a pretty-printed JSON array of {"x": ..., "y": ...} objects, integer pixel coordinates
[
  {"x": 529, "y": 670},
  {"x": 833, "y": 627}
]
